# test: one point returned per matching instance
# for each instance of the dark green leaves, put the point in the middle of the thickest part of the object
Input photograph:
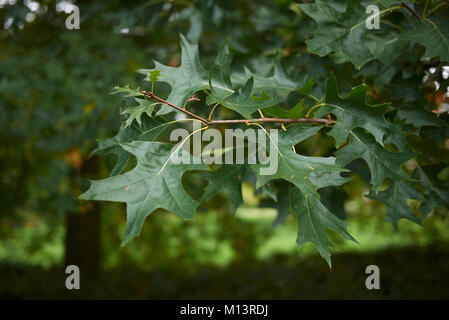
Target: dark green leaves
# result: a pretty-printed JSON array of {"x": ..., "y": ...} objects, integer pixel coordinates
[
  {"x": 353, "y": 112},
  {"x": 257, "y": 92},
  {"x": 395, "y": 198},
  {"x": 184, "y": 80},
  {"x": 307, "y": 173},
  {"x": 150, "y": 129},
  {"x": 343, "y": 34},
  {"x": 433, "y": 34},
  {"x": 154, "y": 183},
  {"x": 242, "y": 101},
  {"x": 382, "y": 163},
  {"x": 292, "y": 180},
  {"x": 53, "y": 101},
  {"x": 436, "y": 191},
  {"x": 313, "y": 220},
  {"x": 226, "y": 179},
  {"x": 281, "y": 82}
]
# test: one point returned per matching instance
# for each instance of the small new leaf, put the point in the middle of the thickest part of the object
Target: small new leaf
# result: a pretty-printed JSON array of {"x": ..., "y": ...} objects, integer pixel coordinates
[
  {"x": 190, "y": 77},
  {"x": 153, "y": 75},
  {"x": 135, "y": 113},
  {"x": 126, "y": 91}
]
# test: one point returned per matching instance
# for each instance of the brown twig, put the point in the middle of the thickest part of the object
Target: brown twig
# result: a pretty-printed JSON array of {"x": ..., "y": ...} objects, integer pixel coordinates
[
  {"x": 278, "y": 120},
  {"x": 151, "y": 95},
  {"x": 245, "y": 121},
  {"x": 406, "y": 6}
]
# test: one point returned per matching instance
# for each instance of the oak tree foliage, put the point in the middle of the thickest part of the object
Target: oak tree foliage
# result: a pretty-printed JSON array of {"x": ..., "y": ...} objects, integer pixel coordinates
[{"x": 366, "y": 86}]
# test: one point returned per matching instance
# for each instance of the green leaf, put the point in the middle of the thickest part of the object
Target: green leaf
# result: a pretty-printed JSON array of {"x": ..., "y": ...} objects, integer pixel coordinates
[
  {"x": 297, "y": 111},
  {"x": 417, "y": 116},
  {"x": 154, "y": 183},
  {"x": 433, "y": 34},
  {"x": 382, "y": 163},
  {"x": 126, "y": 91},
  {"x": 242, "y": 100},
  {"x": 283, "y": 208},
  {"x": 353, "y": 112},
  {"x": 334, "y": 198},
  {"x": 191, "y": 76},
  {"x": 294, "y": 113},
  {"x": 135, "y": 113},
  {"x": 344, "y": 34},
  {"x": 281, "y": 82},
  {"x": 150, "y": 129},
  {"x": 313, "y": 220},
  {"x": 153, "y": 75},
  {"x": 384, "y": 46},
  {"x": 226, "y": 179},
  {"x": 256, "y": 93},
  {"x": 265, "y": 190},
  {"x": 259, "y": 92},
  {"x": 395, "y": 199},
  {"x": 307, "y": 173},
  {"x": 220, "y": 72},
  {"x": 436, "y": 191}
]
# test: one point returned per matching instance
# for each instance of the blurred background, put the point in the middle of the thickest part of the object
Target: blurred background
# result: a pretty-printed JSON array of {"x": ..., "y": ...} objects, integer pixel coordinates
[{"x": 55, "y": 103}]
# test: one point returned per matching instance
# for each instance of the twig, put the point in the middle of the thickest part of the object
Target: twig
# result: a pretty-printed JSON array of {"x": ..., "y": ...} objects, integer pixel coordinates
[
  {"x": 278, "y": 120},
  {"x": 151, "y": 95},
  {"x": 406, "y": 6},
  {"x": 245, "y": 121}
]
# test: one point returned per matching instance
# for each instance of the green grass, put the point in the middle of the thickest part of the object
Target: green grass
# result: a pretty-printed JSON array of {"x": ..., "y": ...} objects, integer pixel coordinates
[{"x": 217, "y": 239}]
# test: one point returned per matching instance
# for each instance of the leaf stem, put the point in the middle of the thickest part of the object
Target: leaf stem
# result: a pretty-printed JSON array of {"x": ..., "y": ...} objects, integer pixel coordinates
[
  {"x": 212, "y": 111},
  {"x": 312, "y": 96},
  {"x": 438, "y": 6},
  {"x": 313, "y": 108},
  {"x": 425, "y": 9}
]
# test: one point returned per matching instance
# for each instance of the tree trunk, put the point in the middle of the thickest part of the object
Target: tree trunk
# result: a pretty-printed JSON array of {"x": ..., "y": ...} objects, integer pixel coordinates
[
  {"x": 83, "y": 236},
  {"x": 82, "y": 241}
]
